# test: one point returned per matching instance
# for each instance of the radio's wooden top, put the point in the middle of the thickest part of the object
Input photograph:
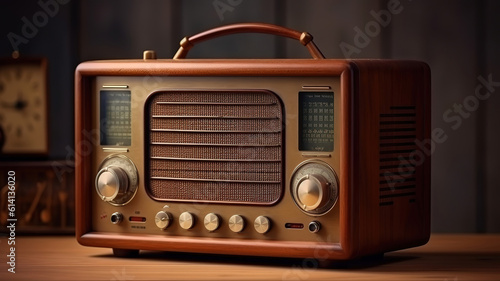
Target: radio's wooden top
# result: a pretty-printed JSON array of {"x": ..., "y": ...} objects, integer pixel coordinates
[{"x": 445, "y": 257}]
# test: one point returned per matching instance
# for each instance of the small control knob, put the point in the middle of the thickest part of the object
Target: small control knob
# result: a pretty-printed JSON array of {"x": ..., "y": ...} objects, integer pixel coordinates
[
  {"x": 262, "y": 224},
  {"x": 236, "y": 223},
  {"x": 211, "y": 222},
  {"x": 163, "y": 219},
  {"x": 186, "y": 220},
  {"x": 111, "y": 183}
]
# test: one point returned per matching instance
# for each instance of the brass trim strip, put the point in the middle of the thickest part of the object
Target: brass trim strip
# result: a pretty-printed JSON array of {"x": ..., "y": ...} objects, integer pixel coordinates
[
  {"x": 213, "y": 103},
  {"x": 216, "y": 144},
  {"x": 316, "y": 87},
  {"x": 316, "y": 154},
  {"x": 215, "y": 180},
  {"x": 212, "y": 117},
  {"x": 214, "y": 160},
  {"x": 213, "y": 131},
  {"x": 115, "y": 86},
  {"x": 115, "y": 149}
]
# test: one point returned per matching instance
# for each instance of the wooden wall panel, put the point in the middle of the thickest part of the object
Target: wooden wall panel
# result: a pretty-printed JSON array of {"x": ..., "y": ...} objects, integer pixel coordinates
[
  {"x": 198, "y": 16},
  {"x": 124, "y": 29},
  {"x": 443, "y": 34},
  {"x": 331, "y": 23},
  {"x": 492, "y": 132}
]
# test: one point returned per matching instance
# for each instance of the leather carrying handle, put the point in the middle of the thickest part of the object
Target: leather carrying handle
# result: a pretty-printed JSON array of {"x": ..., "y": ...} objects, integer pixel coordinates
[{"x": 305, "y": 38}]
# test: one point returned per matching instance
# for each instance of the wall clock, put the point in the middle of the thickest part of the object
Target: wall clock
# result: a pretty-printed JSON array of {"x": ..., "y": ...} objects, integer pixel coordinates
[{"x": 24, "y": 106}]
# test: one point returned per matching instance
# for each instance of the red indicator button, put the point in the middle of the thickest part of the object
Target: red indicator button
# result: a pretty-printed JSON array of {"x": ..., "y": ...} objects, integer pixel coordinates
[
  {"x": 137, "y": 219},
  {"x": 294, "y": 225}
]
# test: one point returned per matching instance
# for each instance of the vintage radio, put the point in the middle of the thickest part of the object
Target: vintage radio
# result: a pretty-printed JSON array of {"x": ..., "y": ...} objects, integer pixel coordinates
[{"x": 306, "y": 158}]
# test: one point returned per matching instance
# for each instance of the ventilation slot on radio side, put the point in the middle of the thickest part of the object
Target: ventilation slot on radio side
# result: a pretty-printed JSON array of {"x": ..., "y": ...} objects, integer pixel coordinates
[
  {"x": 397, "y": 142},
  {"x": 223, "y": 147}
]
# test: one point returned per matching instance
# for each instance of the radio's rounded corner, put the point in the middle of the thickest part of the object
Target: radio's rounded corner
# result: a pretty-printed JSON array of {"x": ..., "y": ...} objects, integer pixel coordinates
[
  {"x": 424, "y": 240},
  {"x": 82, "y": 240},
  {"x": 347, "y": 252},
  {"x": 426, "y": 68},
  {"x": 83, "y": 66},
  {"x": 350, "y": 67},
  {"x": 79, "y": 67}
]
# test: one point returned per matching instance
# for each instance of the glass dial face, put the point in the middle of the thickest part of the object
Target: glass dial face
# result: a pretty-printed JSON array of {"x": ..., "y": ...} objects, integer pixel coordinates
[
  {"x": 314, "y": 168},
  {"x": 23, "y": 107},
  {"x": 124, "y": 163}
]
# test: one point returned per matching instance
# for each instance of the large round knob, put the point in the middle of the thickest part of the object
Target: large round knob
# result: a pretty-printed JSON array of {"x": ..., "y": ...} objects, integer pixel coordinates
[
  {"x": 262, "y": 224},
  {"x": 211, "y": 222},
  {"x": 111, "y": 183},
  {"x": 312, "y": 192},
  {"x": 186, "y": 220},
  {"x": 236, "y": 223},
  {"x": 314, "y": 187},
  {"x": 117, "y": 180},
  {"x": 163, "y": 219}
]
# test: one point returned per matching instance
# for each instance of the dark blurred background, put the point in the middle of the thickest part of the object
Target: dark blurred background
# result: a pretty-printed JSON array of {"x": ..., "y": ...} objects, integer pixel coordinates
[{"x": 458, "y": 39}]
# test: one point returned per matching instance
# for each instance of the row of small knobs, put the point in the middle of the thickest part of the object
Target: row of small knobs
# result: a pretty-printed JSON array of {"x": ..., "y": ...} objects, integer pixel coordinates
[{"x": 236, "y": 223}]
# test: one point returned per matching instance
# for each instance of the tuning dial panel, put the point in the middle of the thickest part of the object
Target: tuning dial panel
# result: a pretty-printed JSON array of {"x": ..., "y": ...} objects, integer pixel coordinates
[
  {"x": 163, "y": 219},
  {"x": 314, "y": 187},
  {"x": 117, "y": 180}
]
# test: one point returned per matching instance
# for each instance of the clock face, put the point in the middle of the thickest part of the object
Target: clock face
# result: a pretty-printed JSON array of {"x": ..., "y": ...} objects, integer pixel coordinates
[{"x": 23, "y": 106}]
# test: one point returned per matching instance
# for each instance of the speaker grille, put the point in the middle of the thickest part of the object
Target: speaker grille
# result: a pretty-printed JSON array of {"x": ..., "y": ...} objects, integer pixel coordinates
[
  {"x": 223, "y": 147},
  {"x": 397, "y": 142}
]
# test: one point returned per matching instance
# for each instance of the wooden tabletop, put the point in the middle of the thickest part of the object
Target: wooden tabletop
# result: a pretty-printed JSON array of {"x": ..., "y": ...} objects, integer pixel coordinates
[{"x": 445, "y": 257}]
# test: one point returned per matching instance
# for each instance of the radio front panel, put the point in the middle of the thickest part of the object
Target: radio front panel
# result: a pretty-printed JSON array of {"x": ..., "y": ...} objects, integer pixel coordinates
[{"x": 252, "y": 158}]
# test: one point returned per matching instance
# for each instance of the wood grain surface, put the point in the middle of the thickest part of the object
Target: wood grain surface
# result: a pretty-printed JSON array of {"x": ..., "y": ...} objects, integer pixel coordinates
[{"x": 445, "y": 257}]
